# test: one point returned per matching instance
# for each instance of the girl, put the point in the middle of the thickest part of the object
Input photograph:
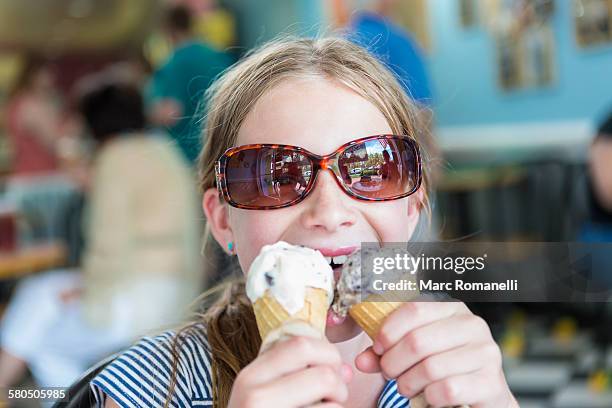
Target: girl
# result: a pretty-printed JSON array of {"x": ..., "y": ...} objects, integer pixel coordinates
[{"x": 317, "y": 95}]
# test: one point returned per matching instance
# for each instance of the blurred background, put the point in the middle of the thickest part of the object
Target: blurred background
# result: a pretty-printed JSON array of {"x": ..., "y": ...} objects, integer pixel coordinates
[{"x": 100, "y": 223}]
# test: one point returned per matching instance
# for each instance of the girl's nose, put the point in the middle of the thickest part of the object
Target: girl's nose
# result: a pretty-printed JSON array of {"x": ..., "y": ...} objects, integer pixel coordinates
[{"x": 328, "y": 206}]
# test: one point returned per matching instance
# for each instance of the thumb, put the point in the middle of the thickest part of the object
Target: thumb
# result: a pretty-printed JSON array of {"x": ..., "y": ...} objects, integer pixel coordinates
[{"x": 367, "y": 361}]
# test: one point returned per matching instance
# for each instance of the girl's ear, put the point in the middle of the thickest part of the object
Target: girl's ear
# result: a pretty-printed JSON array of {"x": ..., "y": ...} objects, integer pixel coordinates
[
  {"x": 416, "y": 203},
  {"x": 415, "y": 206},
  {"x": 217, "y": 216}
]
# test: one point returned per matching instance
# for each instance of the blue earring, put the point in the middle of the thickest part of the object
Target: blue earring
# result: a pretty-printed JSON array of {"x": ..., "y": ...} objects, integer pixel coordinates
[{"x": 230, "y": 247}]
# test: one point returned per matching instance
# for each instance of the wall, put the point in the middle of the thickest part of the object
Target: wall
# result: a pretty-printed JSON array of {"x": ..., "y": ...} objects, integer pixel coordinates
[{"x": 462, "y": 65}]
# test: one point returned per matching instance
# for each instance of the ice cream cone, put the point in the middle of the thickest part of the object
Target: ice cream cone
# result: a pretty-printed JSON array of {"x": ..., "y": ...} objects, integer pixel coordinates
[
  {"x": 370, "y": 315},
  {"x": 291, "y": 288},
  {"x": 271, "y": 315}
]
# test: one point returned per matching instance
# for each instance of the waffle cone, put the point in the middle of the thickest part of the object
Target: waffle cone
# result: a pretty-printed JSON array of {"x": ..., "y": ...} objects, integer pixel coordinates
[
  {"x": 371, "y": 314},
  {"x": 271, "y": 315}
]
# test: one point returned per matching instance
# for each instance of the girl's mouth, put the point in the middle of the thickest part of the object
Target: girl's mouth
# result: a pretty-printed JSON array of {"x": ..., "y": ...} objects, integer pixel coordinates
[
  {"x": 332, "y": 318},
  {"x": 335, "y": 259},
  {"x": 336, "y": 262},
  {"x": 337, "y": 273}
]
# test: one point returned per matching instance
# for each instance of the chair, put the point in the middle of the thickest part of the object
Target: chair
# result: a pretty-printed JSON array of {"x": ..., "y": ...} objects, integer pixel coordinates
[{"x": 79, "y": 393}]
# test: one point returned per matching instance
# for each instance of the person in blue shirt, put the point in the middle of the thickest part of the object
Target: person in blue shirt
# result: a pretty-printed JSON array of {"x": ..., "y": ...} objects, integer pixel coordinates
[
  {"x": 395, "y": 47},
  {"x": 177, "y": 88}
]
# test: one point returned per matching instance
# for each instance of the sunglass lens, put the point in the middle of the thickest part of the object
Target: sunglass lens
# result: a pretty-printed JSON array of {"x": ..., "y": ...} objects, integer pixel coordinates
[
  {"x": 266, "y": 177},
  {"x": 379, "y": 168}
]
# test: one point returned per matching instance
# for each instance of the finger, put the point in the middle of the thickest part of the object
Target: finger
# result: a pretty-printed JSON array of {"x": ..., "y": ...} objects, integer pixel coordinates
[
  {"x": 305, "y": 387},
  {"x": 468, "y": 389},
  {"x": 432, "y": 339},
  {"x": 288, "y": 356},
  {"x": 410, "y": 316},
  {"x": 368, "y": 361},
  {"x": 326, "y": 405},
  {"x": 463, "y": 360}
]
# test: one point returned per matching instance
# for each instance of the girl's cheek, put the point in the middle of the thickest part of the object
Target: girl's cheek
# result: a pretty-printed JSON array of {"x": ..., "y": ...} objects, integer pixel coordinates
[
  {"x": 393, "y": 220},
  {"x": 251, "y": 232}
]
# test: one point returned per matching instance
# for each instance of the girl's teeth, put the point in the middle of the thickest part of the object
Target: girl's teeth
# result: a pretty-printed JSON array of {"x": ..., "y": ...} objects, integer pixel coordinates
[{"x": 338, "y": 260}]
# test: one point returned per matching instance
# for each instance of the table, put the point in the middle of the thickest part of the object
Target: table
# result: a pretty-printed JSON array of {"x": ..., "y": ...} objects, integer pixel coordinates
[
  {"x": 577, "y": 394},
  {"x": 515, "y": 181},
  {"x": 31, "y": 259}
]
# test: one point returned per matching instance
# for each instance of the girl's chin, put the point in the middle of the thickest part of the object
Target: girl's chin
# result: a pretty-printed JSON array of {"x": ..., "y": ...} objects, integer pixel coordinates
[{"x": 340, "y": 329}]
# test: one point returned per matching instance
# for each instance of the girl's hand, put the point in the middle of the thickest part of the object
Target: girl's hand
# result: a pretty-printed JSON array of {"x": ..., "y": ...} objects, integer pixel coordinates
[
  {"x": 297, "y": 372},
  {"x": 443, "y": 350}
]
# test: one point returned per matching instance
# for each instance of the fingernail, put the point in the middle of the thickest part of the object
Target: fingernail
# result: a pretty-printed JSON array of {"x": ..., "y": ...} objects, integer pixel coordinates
[{"x": 378, "y": 348}]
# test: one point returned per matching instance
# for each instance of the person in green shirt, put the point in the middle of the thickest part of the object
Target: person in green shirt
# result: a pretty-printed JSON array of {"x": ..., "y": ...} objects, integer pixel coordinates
[{"x": 176, "y": 89}]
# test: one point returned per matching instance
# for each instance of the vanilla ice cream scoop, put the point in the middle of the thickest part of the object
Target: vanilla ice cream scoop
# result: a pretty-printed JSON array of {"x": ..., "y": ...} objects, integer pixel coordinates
[{"x": 285, "y": 271}]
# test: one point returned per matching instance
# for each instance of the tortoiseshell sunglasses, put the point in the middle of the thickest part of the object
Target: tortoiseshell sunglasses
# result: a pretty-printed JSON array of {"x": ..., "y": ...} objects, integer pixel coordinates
[{"x": 270, "y": 176}]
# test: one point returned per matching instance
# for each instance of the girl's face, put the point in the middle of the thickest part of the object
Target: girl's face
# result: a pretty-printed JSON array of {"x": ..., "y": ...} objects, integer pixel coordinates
[{"x": 320, "y": 115}]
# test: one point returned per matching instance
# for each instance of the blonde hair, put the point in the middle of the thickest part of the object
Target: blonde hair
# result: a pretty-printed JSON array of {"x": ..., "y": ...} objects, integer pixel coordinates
[{"x": 230, "y": 323}]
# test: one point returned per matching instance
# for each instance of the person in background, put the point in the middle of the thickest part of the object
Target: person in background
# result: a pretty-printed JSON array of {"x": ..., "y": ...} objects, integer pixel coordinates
[
  {"x": 601, "y": 177},
  {"x": 141, "y": 266},
  {"x": 178, "y": 86},
  {"x": 371, "y": 27},
  {"x": 144, "y": 228},
  {"x": 36, "y": 120},
  {"x": 598, "y": 228}
]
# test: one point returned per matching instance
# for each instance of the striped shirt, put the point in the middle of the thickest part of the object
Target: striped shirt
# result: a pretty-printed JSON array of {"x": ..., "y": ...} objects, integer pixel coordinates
[{"x": 140, "y": 376}]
